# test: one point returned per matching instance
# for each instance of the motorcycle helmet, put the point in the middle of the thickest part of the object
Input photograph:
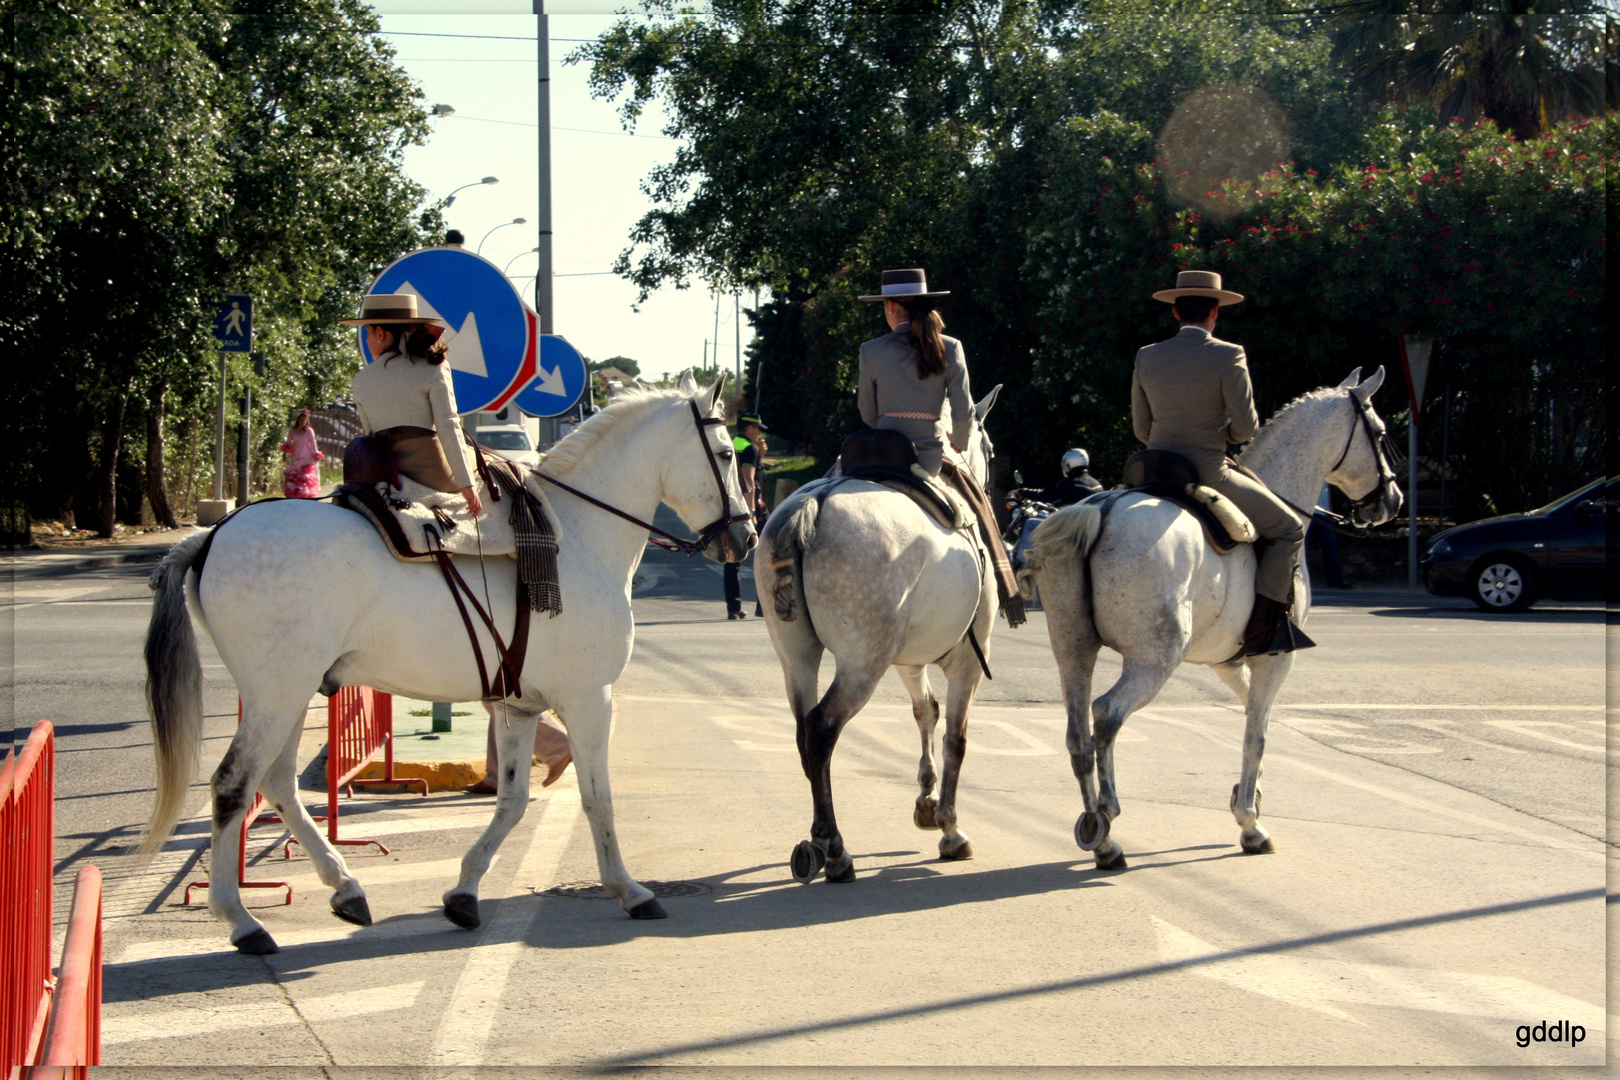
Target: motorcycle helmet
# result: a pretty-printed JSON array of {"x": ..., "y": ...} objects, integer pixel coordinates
[{"x": 1075, "y": 459}]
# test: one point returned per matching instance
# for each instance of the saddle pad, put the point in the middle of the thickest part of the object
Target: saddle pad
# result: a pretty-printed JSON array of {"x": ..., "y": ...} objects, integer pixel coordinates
[{"x": 430, "y": 520}]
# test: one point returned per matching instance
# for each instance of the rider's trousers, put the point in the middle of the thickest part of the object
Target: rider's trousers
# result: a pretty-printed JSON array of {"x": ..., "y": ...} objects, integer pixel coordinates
[{"x": 1272, "y": 519}]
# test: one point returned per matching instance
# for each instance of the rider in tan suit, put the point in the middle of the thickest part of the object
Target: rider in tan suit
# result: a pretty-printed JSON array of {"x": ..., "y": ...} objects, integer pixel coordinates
[{"x": 1192, "y": 395}]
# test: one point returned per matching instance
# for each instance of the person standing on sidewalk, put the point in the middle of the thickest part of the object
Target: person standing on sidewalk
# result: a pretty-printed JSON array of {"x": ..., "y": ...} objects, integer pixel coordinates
[
  {"x": 301, "y": 479},
  {"x": 750, "y": 446}
]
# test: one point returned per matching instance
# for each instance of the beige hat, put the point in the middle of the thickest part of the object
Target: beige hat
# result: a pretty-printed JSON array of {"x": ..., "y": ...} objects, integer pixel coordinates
[
  {"x": 388, "y": 309},
  {"x": 1198, "y": 283}
]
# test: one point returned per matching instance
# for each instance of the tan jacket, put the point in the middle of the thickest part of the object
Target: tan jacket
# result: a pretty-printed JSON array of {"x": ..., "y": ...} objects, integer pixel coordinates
[
  {"x": 889, "y": 383},
  {"x": 395, "y": 391},
  {"x": 1192, "y": 392}
]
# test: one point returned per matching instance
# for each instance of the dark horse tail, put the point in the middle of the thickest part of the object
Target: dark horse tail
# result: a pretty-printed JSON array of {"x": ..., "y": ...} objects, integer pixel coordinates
[
  {"x": 173, "y": 691},
  {"x": 782, "y": 546}
]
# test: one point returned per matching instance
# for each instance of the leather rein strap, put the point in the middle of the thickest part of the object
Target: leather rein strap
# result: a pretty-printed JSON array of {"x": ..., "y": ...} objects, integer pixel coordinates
[{"x": 669, "y": 541}]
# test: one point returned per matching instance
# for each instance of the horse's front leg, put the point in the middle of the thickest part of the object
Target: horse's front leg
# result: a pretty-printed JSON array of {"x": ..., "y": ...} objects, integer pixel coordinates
[
  {"x": 588, "y": 716},
  {"x": 514, "y": 749},
  {"x": 1266, "y": 675},
  {"x": 925, "y": 710}
]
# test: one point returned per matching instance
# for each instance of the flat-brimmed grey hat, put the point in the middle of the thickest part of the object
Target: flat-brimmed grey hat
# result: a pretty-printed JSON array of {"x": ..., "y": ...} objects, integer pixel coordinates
[
  {"x": 1198, "y": 283},
  {"x": 904, "y": 285},
  {"x": 389, "y": 309}
]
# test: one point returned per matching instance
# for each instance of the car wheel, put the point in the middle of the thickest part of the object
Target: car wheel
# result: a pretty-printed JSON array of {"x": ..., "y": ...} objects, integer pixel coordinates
[{"x": 1502, "y": 583}]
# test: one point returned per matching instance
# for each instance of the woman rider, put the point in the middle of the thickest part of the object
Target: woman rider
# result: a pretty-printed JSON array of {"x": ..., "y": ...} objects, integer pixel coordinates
[
  {"x": 907, "y": 374},
  {"x": 406, "y": 399}
]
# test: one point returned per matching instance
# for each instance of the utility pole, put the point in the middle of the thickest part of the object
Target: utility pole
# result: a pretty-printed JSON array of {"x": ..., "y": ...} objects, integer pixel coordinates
[
  {"x": 736, "y": 320},
  {"x": 219, "y": 434},
  {"x": 716, "y": 338},
  {"x": 549, "y": 427},
  {"x": 759, "y": 368}
]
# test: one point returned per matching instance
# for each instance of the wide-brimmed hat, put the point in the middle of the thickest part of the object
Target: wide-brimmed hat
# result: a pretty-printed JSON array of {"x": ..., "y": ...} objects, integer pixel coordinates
[
  {"x": 1198, "y": 283},
  {"x": 389, "y": 309},
  {"x": 904, "y": 285}
]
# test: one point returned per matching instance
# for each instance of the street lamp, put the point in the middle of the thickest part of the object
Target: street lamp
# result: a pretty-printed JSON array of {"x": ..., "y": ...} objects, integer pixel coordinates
[
  {"x": 464, "y": 187},
  {"x": 520, "y": 255},
  {"x": 515, "y": 221}
]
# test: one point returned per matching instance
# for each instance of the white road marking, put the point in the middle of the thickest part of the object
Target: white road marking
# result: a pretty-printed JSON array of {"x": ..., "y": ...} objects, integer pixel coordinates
[
  {"x": 144, "y": 952},
  {"x": 475, "y": 1000},
  {"x": 203, "y": 1015},
  {"x": 1524, "y": 727},
  {"x": 1310, "y": 982},
  {"x": 369, "y": 873}
]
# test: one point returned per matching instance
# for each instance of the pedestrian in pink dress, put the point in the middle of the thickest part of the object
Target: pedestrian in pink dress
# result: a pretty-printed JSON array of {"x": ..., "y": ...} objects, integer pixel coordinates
[{"x": 301, "y": 479}]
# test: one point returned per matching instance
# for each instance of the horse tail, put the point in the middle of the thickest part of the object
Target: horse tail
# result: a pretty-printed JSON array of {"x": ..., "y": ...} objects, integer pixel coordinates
[
  {"x": 783, "y": 542},
  {"x": 1070, "y": 533},
  {"x": 173, "y": 691}
]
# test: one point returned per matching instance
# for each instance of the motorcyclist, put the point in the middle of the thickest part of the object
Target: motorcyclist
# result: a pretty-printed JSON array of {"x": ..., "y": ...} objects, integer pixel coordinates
[{"x": 1077, "y": 482}]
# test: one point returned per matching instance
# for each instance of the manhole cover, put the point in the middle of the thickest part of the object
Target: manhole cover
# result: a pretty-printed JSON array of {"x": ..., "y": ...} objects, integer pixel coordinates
[{"x": 595, "y": 890}]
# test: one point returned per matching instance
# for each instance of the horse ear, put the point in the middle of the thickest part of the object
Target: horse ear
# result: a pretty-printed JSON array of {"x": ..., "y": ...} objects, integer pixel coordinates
[
  {"x": 1366, "y": 390},
  {"x": 717, "y": 393},
  {"x": 688, "y": 384},
  {"x": 987, "y": 402},
  {"x": 1351, "y": 380}
]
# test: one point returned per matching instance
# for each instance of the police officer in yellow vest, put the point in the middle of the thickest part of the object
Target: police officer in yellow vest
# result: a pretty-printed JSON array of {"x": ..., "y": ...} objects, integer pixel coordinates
[
  {"x": 749, "y": 443},
  {"x": 1192, "y": 395}
]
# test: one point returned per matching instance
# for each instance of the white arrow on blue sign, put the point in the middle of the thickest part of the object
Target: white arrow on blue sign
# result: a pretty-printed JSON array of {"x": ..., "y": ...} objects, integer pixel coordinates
[
  {"x": 559, "y": 379},
  {"x": 233, "y": 323},
  {"x": 489, "y": 326}
]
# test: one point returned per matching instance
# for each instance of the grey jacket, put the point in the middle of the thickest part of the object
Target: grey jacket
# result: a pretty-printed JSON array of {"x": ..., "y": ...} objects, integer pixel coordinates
[
  {"x": 405, "y": 393},
  {"x": 889, "y": 383},
  {"x": 1192, "y": 392}
]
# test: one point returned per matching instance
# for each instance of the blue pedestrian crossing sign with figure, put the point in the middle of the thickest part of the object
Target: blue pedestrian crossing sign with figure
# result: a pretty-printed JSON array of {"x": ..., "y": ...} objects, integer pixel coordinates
[
  {"x": 559, "y": 379},
  {"x": 233, "y": 323},
  {"x": 489, "y": 329}
]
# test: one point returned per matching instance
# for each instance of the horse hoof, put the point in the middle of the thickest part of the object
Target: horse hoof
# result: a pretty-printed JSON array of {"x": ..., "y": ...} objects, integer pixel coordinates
[
  {"x": 842, "y": 869},
  {"x": 462, "y": 909},
  {"x": 959, "y": 850},
  {"x": 1090, "y": 831},
  {"x": 1263, "y": 847},
  {"x": 258, "y": 943},
  {"x": 806, "y": 862},
  {"x": 354, "y": 910},
  {"x": 924, "y": 815},
  {"x": 649, "y": 908},
  {"x": 1116, "y": 861}
]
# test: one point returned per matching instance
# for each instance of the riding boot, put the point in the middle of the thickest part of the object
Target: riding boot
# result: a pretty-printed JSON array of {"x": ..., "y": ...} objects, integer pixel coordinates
[{"x": 1271, "y": 630}]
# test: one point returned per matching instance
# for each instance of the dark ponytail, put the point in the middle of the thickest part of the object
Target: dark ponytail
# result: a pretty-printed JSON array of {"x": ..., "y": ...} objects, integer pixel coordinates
[
  {"x": 421, "y": 343},
  {"x": 926, "y": 328}
]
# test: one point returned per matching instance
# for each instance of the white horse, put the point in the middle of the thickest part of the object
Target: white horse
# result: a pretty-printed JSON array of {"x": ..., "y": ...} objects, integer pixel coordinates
[
  {"x": 863, "y": 571},
  {"x": 301, "y": 596},
  {"x": 1146, "y": 582}
]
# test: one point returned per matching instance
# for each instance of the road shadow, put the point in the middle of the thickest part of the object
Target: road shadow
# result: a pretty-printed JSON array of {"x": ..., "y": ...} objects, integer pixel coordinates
[{"x": 1537, "y": 616}]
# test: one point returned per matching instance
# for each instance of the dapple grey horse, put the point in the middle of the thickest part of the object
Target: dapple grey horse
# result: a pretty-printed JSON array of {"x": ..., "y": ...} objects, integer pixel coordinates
[
  {"x": 864, "y": 572},
  {"x": 1147, "y": 583}
]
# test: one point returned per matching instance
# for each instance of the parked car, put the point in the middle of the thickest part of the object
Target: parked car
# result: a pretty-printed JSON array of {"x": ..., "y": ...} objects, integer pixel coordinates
[
  {"x": 1507, "y": 563},
  {"x": 509, "y": 440}
]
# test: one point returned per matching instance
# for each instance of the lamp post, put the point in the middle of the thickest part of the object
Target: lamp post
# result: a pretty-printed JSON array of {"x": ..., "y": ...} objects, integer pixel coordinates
[
  {"x": 520, "y": 255},
  {"x": 515, "y": 221},
  {"x": 464, "y": 187}
]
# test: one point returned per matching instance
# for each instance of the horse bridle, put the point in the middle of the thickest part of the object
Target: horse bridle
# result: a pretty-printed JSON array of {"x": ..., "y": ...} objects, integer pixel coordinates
[
  {"x": 1379, "y": 441},
  {"x": 670, "y": 542}
]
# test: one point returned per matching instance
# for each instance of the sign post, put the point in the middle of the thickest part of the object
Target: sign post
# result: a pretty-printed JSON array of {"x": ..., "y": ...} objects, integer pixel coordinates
[
  {"x": 233, "y": 331},
  {"x": 1416, "y": 351}
]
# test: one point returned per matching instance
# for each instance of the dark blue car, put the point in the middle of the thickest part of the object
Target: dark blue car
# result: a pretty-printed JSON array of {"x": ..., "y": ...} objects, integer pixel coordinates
[{"x": 1507, "y": 563}]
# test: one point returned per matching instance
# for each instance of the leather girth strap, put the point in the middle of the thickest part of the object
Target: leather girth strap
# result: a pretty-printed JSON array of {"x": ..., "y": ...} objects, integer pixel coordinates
[{"x": 509, "y": 669}]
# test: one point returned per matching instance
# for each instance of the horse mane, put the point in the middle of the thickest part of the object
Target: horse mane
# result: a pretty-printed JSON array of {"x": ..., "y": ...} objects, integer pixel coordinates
[
  {"x": 630, "y": 405},
  {"x": 1269, "y": 429}
]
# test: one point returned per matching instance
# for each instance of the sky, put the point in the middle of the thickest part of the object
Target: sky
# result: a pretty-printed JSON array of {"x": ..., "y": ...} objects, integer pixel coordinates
[{"x": 597, "y": 172}]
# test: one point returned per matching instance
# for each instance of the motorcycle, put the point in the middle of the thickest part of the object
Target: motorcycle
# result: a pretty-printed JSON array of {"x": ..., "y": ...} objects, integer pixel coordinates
[{"x": 1024, "y": 515}]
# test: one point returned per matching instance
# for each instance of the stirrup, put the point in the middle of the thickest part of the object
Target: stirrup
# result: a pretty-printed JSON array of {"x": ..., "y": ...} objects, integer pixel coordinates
[{"x": 1287, "y": 637}]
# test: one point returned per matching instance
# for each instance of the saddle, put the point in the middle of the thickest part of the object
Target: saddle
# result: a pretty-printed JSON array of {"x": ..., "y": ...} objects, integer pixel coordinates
[
  {"x": 1167, "y": 475},
  {"x": 888, "y": 458}
]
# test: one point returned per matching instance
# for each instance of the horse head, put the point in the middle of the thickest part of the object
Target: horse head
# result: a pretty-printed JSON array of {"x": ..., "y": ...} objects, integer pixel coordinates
[
  {"x": 981, "y": 450},
  {"x": 1363, "y": 470},
  {"x": 699, "y": 473}
]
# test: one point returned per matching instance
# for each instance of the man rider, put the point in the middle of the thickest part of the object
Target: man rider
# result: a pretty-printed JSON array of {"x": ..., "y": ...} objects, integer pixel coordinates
[
  {"x": 1077, "y": 482},
  {"x": 1192, "y": 395}
]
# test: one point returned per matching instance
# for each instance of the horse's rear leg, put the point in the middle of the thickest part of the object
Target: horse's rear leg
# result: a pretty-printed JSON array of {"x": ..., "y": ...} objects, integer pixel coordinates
[
  {"x": 963, "y": 671},
  {"x": 281, "y": 788},
  {"x": 925, "y": 710},
  {"x": 514, "y": 748},
  {"x": 1266, "y": 675},
  {"x": 818, "y": 732},
  {"x": 1139, "y": 683}
]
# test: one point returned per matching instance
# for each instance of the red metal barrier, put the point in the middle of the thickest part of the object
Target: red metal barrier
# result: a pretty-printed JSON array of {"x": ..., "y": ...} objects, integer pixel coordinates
[
  {"x": 259, "y": 809},
  {"x": 359, "y": 723},
  {"x": 73, "y": 1037},
  {"x": 27, "y": 827}
]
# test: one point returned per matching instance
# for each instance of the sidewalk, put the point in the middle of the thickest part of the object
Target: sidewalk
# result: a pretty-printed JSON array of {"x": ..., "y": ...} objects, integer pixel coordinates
[{"x": 47, "y": 561}]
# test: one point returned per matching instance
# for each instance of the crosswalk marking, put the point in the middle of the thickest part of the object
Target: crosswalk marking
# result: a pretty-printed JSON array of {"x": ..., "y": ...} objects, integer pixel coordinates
[{"x": 205, "y": 1015}]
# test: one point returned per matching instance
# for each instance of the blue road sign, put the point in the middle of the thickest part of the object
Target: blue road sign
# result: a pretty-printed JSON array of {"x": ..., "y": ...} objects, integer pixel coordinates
[
  {"x": 488, "y": 323},
  {"x": 559, "y": 379},
  {"x": 233, "y": 323}
]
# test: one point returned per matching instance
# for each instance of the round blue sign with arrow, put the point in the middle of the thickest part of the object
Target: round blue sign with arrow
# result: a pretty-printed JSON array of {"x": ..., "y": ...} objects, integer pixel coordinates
[
  {"x": 488, "y": 324},
  {"x": 559, "y": 379}
]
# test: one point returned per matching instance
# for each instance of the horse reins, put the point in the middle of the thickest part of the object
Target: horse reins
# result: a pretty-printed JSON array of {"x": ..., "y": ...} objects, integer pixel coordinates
[
  {"x": 1386, "y": 475},
  {"x": 669, "y": 541}
]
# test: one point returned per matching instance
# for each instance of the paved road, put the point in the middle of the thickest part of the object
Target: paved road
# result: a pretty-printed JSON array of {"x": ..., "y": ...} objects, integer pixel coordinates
[{"x": 1435, "y": 784}]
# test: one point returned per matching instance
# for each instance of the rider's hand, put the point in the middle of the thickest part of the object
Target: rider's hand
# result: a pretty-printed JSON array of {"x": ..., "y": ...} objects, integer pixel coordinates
[{"x": 475, "y": 505}]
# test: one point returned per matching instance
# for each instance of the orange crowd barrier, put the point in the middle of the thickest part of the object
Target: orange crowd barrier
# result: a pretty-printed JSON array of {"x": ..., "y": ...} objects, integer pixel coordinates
[
  {"x": 73, "y": 1035},
  {"x": 27, "y": 824},
  {"x": 259, "y": 810},
  {"x": 359, "y": 725}
]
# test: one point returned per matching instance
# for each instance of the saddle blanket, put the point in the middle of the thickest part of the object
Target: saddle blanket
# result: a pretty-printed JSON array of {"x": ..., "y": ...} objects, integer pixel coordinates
[{"x": 429, "y": 520}]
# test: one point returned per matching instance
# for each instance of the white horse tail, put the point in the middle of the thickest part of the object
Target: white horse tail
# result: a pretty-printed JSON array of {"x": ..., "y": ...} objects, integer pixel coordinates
[
  {"x": 783, "y": 542},
  {"x": 1070, "y": 533},
  {"x": 173, "y": 691}
]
